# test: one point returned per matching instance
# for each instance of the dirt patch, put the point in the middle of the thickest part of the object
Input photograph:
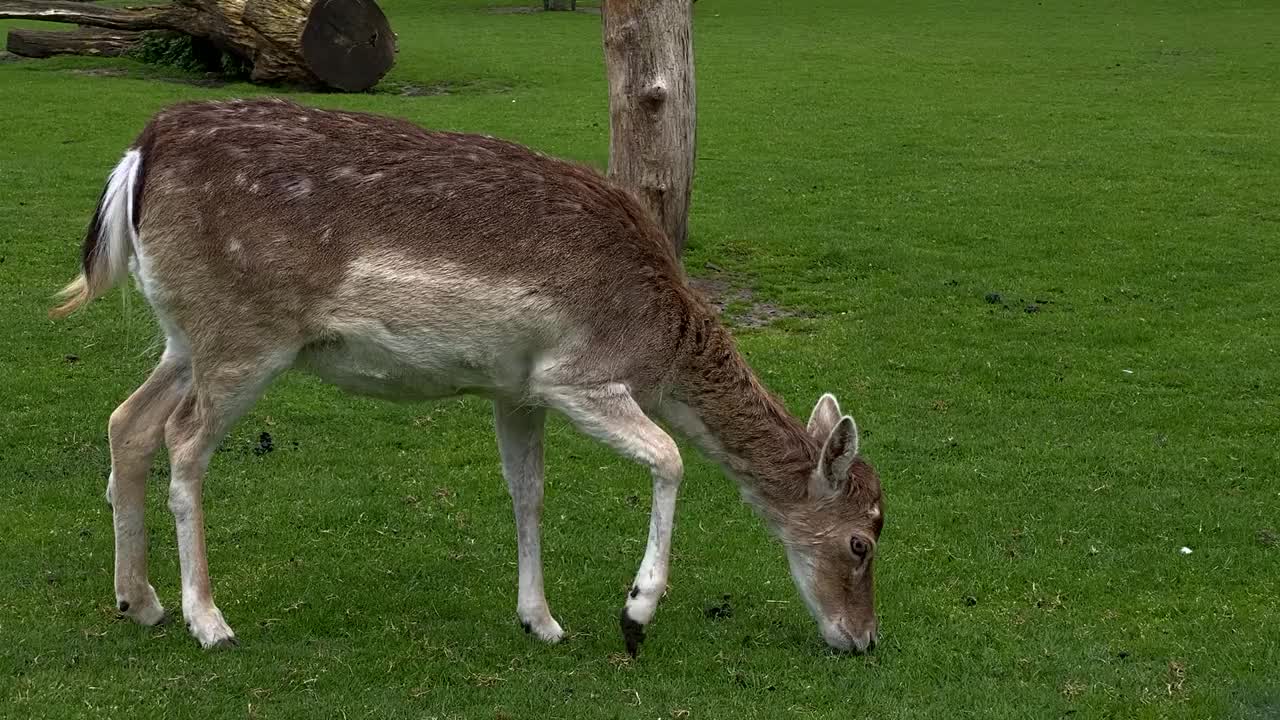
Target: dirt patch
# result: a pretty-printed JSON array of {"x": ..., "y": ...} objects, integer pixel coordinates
[
  {"x": 208, "y": 80},
  {"x": 719, "y": 292},
  {"x": 531, "y": 9},
  {"x": 205, "y": 81},
  {"x": 446, "y": 87},
  {"x": 265, "y": 444},
  {"x": 101, "y": 72},
  {"x": 738, "y": 304},
  {"x": 721, "y": 611},
  {"x": 1029, "y": 306},
  {"x": 410, "y": 90}
]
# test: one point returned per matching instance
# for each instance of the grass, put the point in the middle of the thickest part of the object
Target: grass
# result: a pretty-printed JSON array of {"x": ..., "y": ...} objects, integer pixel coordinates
[{"x": 881, "y": 170}]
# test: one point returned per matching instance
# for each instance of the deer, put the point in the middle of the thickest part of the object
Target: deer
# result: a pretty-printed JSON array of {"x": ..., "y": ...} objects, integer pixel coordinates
[{"x": 414, "y": 265}]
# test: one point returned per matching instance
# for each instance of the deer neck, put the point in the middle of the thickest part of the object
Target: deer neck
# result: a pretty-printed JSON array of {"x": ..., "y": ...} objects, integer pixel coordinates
[{"x": 723, "y": 407}]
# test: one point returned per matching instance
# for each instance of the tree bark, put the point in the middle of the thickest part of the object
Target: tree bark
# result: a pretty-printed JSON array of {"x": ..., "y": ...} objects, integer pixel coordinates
[
  {"x": 648, "y": 50},
  {"x": 43, "y": 44},
  {"x": 165, "y": 17},
  {"x": 342, "y": 44}
]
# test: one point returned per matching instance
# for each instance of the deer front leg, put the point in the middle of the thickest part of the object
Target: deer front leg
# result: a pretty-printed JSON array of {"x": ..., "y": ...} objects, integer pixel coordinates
[
  {"x": 610, "y": 414},
  {"x": 519, "y": 431}
]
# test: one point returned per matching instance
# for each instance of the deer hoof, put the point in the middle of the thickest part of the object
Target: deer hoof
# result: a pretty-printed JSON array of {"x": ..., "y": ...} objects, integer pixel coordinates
[
  {"x": 226, "y": 643},
  {"x": 144, "y": 609},
  {"x": 632, "y": 633},
  {"x": 547, "y": 630},
  {"x": 210, "y": 630}
]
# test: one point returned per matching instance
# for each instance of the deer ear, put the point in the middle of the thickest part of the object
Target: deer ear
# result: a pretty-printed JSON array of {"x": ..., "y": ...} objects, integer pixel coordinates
[
  {"x": 838, "y": 454},
  {"x": 824, "y": 417}
]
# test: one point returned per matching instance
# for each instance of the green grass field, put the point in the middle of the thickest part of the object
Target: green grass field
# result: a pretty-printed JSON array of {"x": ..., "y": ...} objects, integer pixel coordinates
[{"x": 1033, "y": 248}]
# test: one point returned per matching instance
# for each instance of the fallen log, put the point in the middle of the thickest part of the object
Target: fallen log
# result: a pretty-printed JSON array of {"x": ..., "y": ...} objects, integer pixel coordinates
[
  {"x": 98, "y": 42},
  {"x": 339, "y": 44}
]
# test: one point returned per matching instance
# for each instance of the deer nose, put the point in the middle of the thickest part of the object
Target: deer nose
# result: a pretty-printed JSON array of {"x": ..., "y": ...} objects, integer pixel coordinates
[
  {"x": 863, "y": 639},
  {"x": 864, "y": 642},
  {"x": 849, "y": 640}
]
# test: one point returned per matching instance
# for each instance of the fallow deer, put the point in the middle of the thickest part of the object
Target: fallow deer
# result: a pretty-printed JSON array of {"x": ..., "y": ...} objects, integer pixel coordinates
[{"x": 407, "y": 264}]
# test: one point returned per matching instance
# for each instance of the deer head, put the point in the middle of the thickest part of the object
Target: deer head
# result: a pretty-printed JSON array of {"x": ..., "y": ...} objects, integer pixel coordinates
[{"x": 831, "y": 536}]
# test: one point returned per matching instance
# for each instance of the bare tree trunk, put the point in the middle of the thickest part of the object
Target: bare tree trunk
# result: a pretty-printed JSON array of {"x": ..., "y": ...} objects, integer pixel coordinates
[{"x": 648, "y": 51}]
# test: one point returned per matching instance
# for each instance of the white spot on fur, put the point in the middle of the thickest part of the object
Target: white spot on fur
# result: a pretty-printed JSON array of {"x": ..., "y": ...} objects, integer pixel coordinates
[{"x": 298, "y": 188}]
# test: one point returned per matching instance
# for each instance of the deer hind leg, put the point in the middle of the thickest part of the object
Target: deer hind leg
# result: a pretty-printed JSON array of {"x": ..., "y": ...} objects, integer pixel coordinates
[
  {"x": 519, "y": 431},
  {"x": 221, "y": 393},
  {"x": 135, "y": 432},
  {"x": 609, "y": 414}
]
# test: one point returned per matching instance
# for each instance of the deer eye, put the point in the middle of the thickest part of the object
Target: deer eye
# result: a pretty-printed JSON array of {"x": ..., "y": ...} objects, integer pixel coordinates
[{"x": 859, "y": 547}]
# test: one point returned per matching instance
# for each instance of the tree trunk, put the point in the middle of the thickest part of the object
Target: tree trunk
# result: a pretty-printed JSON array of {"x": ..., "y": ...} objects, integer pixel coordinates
[
  {"x": 43, "y": 44},
  {"x": 648, "y": 50},
  {"x": 341, "y": 44}
]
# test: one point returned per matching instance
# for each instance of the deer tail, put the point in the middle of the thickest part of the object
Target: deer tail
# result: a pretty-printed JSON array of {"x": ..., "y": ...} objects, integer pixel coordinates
[{"x": 110, "y": 240}]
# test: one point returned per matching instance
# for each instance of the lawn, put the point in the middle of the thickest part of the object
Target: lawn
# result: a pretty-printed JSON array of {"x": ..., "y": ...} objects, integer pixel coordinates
[{"x": 1032, "y": 247}]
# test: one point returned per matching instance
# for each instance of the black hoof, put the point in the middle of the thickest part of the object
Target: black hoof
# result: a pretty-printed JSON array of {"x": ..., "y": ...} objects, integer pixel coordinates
[
  {"x": 226, "y": 644},
  {"x": 527, "y": 627},
  {"x": 632, "y": 633}
]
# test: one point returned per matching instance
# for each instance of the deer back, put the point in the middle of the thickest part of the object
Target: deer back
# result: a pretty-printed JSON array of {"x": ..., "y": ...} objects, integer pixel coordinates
[{"x": 286, "y": 221}]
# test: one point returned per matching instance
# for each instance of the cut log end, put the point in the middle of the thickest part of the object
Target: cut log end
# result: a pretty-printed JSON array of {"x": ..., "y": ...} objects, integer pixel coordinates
[{"x": 348, "y": 44}]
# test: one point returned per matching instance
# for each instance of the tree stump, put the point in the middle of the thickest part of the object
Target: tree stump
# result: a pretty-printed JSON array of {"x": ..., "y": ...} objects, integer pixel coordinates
[
  {"x": 339, "y": 44},
  {"x": 648, "y": 51}
]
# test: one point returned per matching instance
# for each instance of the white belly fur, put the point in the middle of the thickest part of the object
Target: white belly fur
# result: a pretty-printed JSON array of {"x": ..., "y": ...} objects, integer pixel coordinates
[{"x": 403, "y": 331}]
